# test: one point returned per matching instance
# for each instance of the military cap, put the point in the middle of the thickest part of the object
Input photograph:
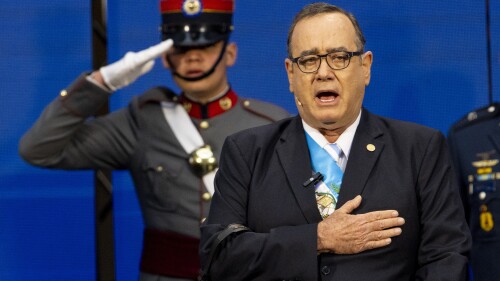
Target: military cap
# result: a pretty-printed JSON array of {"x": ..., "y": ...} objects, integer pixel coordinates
[{"x": 194, "y": 23}]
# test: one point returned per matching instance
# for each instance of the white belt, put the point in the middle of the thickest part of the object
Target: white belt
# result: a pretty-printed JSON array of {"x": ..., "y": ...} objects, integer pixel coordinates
[{"x": 187, "y": 134}]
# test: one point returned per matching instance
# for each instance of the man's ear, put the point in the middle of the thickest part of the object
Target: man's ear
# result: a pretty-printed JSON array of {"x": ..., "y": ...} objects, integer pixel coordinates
[
  {"x": 231, "y": 54},
  {"x": 165, "y": 61},
  {"x": 289, "y": 73},
  {"x": 367, "y": 66}
]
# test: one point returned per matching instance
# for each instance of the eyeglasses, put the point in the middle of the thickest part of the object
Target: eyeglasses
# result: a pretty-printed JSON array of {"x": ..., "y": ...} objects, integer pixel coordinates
[{"x": 336, "y": 60}]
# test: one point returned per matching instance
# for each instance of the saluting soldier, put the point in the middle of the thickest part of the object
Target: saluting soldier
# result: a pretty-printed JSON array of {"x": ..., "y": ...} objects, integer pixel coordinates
[
  {"x": 170, "y": 143},
  {"x": 475, "y": 144}
]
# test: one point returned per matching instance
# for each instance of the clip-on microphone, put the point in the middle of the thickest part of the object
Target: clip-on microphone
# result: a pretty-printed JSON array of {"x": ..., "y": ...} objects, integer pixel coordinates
[{"x": 313, "y": 180}]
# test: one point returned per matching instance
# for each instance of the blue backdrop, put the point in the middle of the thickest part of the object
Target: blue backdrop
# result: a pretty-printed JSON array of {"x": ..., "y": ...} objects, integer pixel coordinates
[{"x": 430, "y": 67}]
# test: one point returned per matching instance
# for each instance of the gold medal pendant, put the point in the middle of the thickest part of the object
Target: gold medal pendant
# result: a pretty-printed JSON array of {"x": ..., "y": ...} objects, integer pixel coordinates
[
  {"x": 202, "y": 160},
  {"x": 486, "y": 219}
]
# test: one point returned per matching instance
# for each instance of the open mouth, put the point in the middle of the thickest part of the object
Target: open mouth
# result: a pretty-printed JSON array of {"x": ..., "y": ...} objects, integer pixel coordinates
[{"x": 326, "y": 96}]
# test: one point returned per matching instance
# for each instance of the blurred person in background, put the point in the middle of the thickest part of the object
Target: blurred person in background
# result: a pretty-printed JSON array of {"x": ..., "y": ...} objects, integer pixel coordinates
[{"x": 169, "y": 142}]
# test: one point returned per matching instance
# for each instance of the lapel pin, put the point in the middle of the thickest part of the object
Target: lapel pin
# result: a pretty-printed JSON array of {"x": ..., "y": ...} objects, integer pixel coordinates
[{"x": 370, "y": 147}]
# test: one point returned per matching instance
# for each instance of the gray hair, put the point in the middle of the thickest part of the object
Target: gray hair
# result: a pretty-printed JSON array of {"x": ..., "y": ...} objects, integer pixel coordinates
[{"x": 322, "y": 8}]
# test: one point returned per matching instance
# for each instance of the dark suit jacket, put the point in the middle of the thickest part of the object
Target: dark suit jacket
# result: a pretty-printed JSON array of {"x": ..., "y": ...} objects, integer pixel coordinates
[{"x": 260, "y": 184}]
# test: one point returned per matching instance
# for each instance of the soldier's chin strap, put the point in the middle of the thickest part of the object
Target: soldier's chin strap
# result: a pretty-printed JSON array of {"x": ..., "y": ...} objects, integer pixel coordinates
[{"x": 204, "y": 75}]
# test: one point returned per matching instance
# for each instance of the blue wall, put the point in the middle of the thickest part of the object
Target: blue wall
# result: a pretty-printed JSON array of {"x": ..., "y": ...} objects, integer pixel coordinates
[{"x": 429, "y": 67}]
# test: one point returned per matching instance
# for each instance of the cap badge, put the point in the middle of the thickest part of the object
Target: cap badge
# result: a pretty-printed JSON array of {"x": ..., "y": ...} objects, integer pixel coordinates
[{"x": 191, "y": 7}]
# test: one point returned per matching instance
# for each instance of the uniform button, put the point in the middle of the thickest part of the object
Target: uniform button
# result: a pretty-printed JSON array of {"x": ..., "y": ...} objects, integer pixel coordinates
[
  {"x": 325, "y": 270},
  {"x": 206, "y": 196},
  {"x": 246, "y": 103},
  {"x": 159, "y": 168},
  {"x": 203, "y": 220},
  {"x": 63, "y": 93},
  {"x": 482, "y": 195},
  {"x": 204, "y": 125},
  {"x": 472, "y": 116}
]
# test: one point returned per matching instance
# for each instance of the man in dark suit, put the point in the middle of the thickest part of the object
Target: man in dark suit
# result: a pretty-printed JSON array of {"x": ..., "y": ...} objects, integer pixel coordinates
[{"x": 389, "y": 211}]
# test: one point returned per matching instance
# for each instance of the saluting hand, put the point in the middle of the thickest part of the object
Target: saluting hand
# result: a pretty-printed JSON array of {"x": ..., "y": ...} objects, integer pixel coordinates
[
  {"x": 134, "y": 64},
  {"x": 344, "y": 233}
]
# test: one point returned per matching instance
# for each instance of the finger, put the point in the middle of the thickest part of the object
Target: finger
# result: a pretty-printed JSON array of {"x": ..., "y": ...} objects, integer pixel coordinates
[
  {"x": 384, "y": 234},
  {"x": 377, "y": 244},
  {"x": 380, "y": 215},
  {"x": 155, "y": 51},
  {"x": 387, "y": 223},
  {"x": 147, "y": 66},
  {"x": 350, "y": 205},
  {"x": 382, "y": 238}
]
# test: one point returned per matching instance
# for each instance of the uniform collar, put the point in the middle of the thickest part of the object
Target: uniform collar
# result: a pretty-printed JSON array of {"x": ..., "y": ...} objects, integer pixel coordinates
[
  {"x": 344, "y": 141},
  {"x": 211, "y": 109}
]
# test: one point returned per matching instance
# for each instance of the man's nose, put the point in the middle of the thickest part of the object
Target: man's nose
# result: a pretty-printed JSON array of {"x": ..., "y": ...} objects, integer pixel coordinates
[
  {"x": 325, "y": 72},
  {"x": 193, "y": 55}
]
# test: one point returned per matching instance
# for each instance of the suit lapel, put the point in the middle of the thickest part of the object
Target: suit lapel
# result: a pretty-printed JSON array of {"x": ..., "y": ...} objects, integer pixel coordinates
[
  {"x": 365, "y": 151},
  {"x": 293, "y": 155}
]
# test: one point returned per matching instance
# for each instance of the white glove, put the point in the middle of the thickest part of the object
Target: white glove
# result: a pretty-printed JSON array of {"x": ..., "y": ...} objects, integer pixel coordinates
[{"x": 125, "y": 71}]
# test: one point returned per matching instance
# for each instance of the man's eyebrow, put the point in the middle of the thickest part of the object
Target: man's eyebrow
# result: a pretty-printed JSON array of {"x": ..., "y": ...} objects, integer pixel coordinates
[
  {"x": 315, "y": 51},
  {"x": 309, "y": 52}
]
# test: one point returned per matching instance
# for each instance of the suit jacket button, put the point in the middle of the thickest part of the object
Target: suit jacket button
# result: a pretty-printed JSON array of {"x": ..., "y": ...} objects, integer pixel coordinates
[{"x": 325, "y": 270}]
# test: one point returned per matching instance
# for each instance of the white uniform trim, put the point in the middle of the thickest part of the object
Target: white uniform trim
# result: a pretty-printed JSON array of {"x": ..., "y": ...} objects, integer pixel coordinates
[{"x": 187, "y": 134}]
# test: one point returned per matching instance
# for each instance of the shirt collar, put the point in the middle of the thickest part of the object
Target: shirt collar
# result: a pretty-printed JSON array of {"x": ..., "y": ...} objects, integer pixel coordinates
[{"x": 344, "y": 141}]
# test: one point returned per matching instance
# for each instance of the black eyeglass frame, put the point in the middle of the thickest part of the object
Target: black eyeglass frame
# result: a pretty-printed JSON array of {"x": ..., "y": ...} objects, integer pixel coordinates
[{"x": 349, "y": 55}]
